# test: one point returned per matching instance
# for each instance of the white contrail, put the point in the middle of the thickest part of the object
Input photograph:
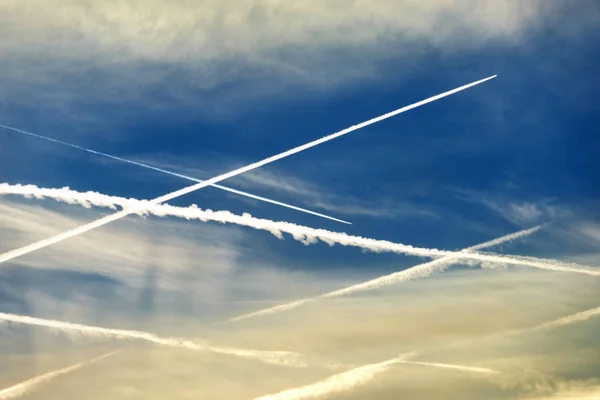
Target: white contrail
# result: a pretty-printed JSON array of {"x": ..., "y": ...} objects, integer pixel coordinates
[
  {"x": 338, "y": 383},
  {"x": 359, "y": 376},
  {"x": 416, "y": 272},
  {"x": 301, "y": 233},
  {"x": 189, "y": 178},
  {"x": 270, "y": 357},
  {"x": 22, "y": 388},
  {"x": 465, "y": 368},
  {"x": 570, "y": 319},
  {"x": 356, "y": 377},
  {"x": 169, "y": 196},
  {"x": 304, "y": 234}
]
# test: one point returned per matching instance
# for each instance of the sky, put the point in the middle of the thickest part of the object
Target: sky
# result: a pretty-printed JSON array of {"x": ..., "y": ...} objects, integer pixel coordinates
[{"x": 201, "y": 88}]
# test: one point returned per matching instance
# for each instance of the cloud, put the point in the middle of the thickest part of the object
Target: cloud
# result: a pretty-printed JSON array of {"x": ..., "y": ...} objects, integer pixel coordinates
[
  {"x": 279, "y": 181},
  {"x": 519, "y": 212},
  {"x": 588, "y": 393},
  {"x": 325, "y": 199},
  {"x": 207, "y": 30},
  {"x": 462, "y": 305},
  {"x": 60, "y": 50},
  {"x": 591, "y": 231},
  {"x": 122, "y": 251}
]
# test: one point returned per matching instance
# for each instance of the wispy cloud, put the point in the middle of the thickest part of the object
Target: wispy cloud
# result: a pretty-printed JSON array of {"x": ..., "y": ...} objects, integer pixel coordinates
[
  {"x": 203, "y": 34},
  {"x": 519, "y": 212},
  {"x": 311, "y": 193},
  {"x": 207, "y": 30}
]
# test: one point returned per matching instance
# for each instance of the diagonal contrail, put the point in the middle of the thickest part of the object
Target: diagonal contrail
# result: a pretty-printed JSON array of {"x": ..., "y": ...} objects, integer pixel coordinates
[
  {"x": 189, "y": 178},
  {"x": 24, "y": 387},
  {"x": 557, "y": 323},
  {"x": 169, "y": 196},
  {"x": 286, "y": 358},
  {"x": 418, "y": 271},
  {"x": 349, "y": 380},
  {"x": 356, "y": 377},
  {"x": 308, "y": 235}
]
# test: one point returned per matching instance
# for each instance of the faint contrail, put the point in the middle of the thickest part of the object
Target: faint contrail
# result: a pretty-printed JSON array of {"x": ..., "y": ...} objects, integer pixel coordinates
[
  {"x": 189, "y": 178},
  {"x": 570, "y": 319},
  {"x": 270, "y": 357},
  {"x": 416, "y": 272},
  {"x": 301, "y": 233},
  {"x": 169, "y": 196},
  {"x": 359, "y": 376},
  {"x": 22, "y": 388},
  {"x": 356, "y": 377}
]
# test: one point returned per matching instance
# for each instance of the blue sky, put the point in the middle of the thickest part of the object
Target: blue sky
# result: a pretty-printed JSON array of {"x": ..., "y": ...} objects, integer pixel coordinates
[{"x": 226, "y": 87}]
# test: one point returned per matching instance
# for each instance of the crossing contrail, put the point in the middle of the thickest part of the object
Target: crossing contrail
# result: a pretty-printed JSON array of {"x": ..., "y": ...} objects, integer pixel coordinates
[
  {"x": 189, "y": 178},
  {"x": 301, "y": 233},
  {"x": 286, "y": 358},
  {"x": 338, "y": 383},
  {"x": 23, "y": 388},
  {"x": 416, "y": 272},
  {"x": 356, "y": 377},
  {"x": 169, "y": 196}
]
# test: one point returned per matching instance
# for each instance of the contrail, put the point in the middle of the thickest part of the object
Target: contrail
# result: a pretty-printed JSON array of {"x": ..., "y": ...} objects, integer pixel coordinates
[
  {"x": 356, "y": 377},
  {"x": 570, "y": 319},
  {"x": 338, "y": 383},
  {"x": 23, "y": 388},
  {"x": 189, "y": 178},
  {"x": 169, "y": 196},
  {"x": 465, "y": 368},
  {"x": 416, "y": 272},
  {"x": 301, "y": 233},
  {"x": 349, "y": 380},
  {"x": 270, "y": 357}
]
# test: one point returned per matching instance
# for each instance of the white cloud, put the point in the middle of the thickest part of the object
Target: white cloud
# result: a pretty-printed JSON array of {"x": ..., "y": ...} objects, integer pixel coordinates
[
  {"x": 183, "y": 30},
  {"x": 58, "y": 51},
  {"x": 519, "y": 212},
  {"x": 280, "y": 183},
  {"x": 578, "y": 392},
  {"x": 592, "y": 231}
]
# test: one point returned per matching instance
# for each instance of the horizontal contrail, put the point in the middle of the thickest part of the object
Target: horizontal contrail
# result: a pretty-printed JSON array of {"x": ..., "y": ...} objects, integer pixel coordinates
[
  {"x": 270, "y": 357},
  {"x": 301, "y": 233},
  {"x": 356, "y": 377},
  {"x": 169, "y": 196},
  {"x": 23, "y": 388},
  {"x": 189, "y": 178}
]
